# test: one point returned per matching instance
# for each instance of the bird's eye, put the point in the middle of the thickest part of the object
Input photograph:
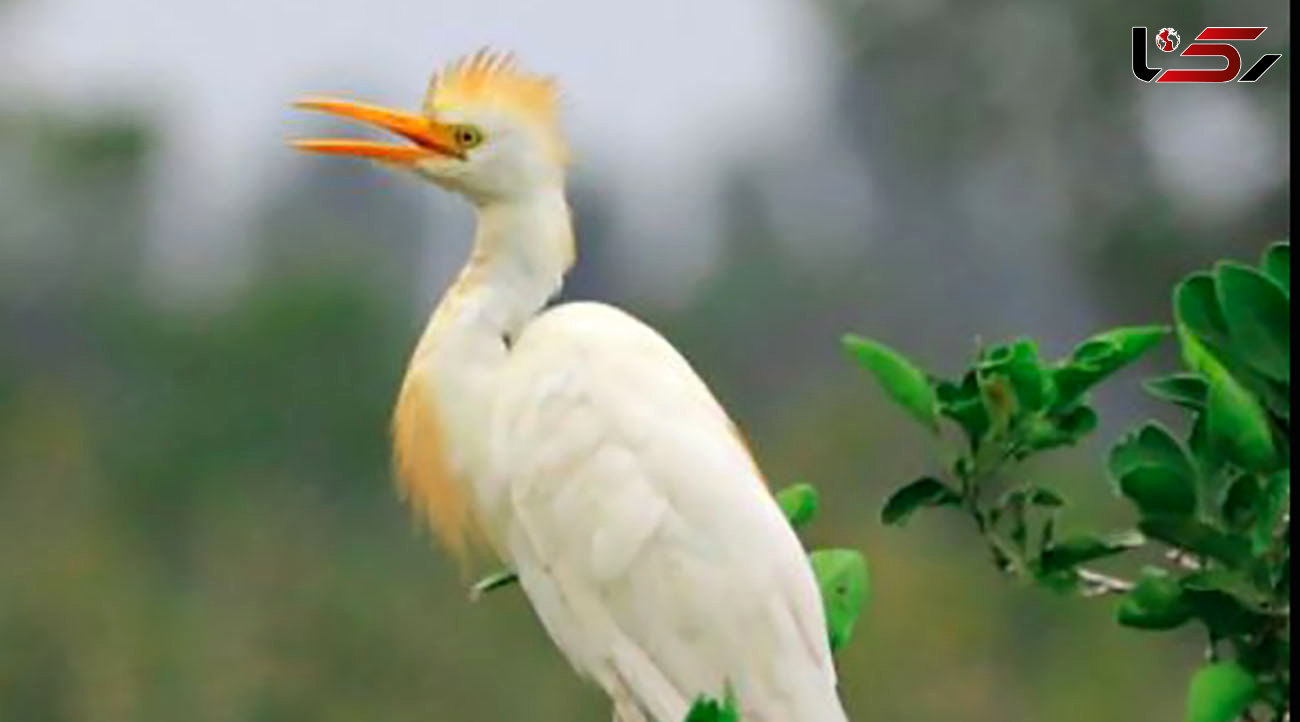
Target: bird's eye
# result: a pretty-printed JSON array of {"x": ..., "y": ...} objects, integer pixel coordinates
[{"x": 467, "y": 136}]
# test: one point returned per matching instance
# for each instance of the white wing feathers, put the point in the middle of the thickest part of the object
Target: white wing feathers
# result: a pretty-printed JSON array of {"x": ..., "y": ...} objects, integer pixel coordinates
[{"x": 642, "y": 531}]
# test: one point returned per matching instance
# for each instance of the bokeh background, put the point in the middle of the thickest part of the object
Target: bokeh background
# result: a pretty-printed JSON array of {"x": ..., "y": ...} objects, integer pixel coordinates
[{"x": 201, "y": 333}]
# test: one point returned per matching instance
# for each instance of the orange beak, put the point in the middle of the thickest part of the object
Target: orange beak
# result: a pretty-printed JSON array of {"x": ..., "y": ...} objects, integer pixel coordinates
[{"x": 428, "y": 137}]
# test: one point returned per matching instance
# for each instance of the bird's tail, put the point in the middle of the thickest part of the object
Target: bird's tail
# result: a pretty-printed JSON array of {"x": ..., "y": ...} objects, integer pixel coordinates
[{"x": 819, "y": 706}]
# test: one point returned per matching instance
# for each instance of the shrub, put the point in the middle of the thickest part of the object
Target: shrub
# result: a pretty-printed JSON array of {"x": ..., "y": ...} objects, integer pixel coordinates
[{"x": 1216, "y": 497}]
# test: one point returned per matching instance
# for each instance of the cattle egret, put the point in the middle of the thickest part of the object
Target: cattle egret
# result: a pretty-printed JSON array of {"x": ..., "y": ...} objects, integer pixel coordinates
[{"x": 576, "y": 444}]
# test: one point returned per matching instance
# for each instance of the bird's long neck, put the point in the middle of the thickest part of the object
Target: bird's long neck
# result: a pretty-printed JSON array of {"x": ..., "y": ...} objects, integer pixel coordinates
[
  {"x": 522, "y": 249},
  {"x": 442, "y": 422}
]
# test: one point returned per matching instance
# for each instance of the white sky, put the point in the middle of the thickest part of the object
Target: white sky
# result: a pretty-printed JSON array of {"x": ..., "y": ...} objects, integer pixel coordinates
[{"x": 660, "y": 93}]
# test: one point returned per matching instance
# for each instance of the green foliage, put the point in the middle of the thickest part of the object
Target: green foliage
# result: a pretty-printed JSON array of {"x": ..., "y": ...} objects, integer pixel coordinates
[
  {"x": 923, "y": 492},
  {"x": 1220, "y": 693},
  {"x": 1153, "y": 471},
  {"x": 1065, "y": 555},
  {"x": 1201, "y": 538},
  {"x": 842, "y": 574},
  {"x": 1258, "y": 314},
  {"x": 799, "y": 503},
  {"x": 1010, "y": 404},
  {"x": 712, "y": 710},
  {"x": 1239, "y": 398},
  {"x": 1101, "y": 356},
  {"x": 845, "y": 584},
  {"x": 1157, "y": 602},
  {"x": 1277, "y": 264},
  {"x": 1187, "y": 390},
  {"x": 1237, "y": 424},
  {"x": 1217, "y": 499},
  {"x": 902, "y": 380}
]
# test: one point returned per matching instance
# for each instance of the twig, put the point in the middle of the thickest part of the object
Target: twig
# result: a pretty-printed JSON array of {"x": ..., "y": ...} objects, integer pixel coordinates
[
  {"x": 1184, "y": 560},
  {"x": 1096, "y": 584}
]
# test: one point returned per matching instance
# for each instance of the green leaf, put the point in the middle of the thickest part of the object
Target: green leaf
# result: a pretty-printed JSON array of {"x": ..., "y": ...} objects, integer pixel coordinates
[
  {"x": 1135, "y": 341},
  {"x": 1083, "y": 548},
  {"x": 1187, "y": 390},
  {"x": 1060, "y": 428},
  {"x": 964, "y": 404},
  {"x": 994, "y": 358},
  {"x": 1241, "y": 501},
  {"x": 1281, "y": 574},
  {"x": 1073, "y": 381},
  {"x": 1277, "y": 265},
  {"x": 1196, "y": 307},
  {"x": 845, "y": 583},
  {"x": 1258, "y": 315},
  {"x": 1101, "y": 356},
  {"x": 1230, "y": 583},
  {"x": 1274, "y": 506},
  {"x": 1237, "y": 425},
  {"x": 799, "y": 503},
  {"x": 706, "y": 709},
  {"x": 1034, "y": 495},
  {"x": 1197, "y": 537},
  {"x": 1152, "y": 445},
  {"x": 492, "y": 582},
  {"x": 1157, "y": 602},
  {"x": 1220, "y": 692},
  {"x": 1203, "y": 330},
  {"x": 924, "y": 492},
  {"x": 903, "y": 381},
  {"x": 1274, "y": 395},
  {"x": 1012, "y": 513},
  {"x": 1019, "y": 364},
  {"x": 1209, "y": 458},
  {"x": 1077, "y": 422},
  {"x": 1223, "y": 614},
  {"x": 1152, "y": 470},
  {"x": 1159, "y": 491},
  {"x": 999, "y": 400},
  {"x": 1028, "y": 379}
]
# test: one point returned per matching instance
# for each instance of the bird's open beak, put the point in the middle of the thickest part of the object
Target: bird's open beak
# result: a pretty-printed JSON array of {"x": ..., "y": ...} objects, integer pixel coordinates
[{"x": 427, "y": 136}]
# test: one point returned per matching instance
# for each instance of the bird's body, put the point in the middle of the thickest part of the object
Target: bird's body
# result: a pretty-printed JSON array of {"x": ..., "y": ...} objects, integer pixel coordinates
[{"x": 578, "y": 445}]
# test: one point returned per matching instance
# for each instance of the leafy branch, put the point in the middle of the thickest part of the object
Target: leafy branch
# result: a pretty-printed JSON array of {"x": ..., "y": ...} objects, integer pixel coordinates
[
  {"x": 1218, "y": 498},
  {"x": 1010, "y": 405}
]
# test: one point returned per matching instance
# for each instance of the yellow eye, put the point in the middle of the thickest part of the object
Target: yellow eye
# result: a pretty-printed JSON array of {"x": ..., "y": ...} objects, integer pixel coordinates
[{"x": 467, "y": 136}]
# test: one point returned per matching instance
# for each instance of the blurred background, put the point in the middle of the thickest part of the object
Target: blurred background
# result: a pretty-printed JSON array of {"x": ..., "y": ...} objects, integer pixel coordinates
[{"x": 201, "y": 333}]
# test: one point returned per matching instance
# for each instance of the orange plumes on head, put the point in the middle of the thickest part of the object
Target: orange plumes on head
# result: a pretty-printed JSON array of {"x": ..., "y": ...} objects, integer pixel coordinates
[{"x": 488, "y": 79}]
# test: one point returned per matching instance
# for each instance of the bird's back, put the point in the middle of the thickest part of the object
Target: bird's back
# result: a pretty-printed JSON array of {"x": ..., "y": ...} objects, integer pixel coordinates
[{"x": 642, "y": 530}]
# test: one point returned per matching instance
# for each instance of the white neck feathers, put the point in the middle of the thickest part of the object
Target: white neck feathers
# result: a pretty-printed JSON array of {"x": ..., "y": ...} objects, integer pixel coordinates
[{"x": 522, "y": 249}]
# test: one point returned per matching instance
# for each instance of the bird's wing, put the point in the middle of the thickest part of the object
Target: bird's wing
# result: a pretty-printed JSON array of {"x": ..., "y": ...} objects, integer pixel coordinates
[{"x": 642, "y": 531}]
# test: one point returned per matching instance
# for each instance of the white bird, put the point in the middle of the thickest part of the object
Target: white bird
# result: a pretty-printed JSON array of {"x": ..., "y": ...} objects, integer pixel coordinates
[{"x": 578, "y": 445}]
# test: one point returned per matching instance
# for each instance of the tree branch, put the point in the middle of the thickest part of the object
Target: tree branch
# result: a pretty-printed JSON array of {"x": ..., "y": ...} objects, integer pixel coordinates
[{"x": 1097, "y": 584}]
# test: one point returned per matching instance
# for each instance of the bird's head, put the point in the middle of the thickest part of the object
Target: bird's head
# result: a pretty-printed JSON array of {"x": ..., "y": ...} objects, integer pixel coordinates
[{"x": 488, "y": 130}]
